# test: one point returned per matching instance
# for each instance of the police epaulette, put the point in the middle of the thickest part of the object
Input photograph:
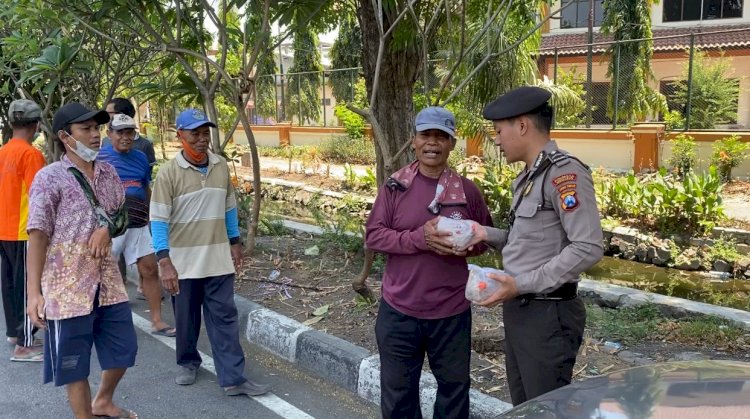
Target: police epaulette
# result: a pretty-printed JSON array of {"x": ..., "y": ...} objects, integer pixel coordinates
[{"x": 561, "y": 159}]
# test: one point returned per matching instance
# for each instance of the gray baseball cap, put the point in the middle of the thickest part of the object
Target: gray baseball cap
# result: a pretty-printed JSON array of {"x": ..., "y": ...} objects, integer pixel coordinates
[
  {"x": 436, "y": 117},
  {"x": 24, "y": 110}
]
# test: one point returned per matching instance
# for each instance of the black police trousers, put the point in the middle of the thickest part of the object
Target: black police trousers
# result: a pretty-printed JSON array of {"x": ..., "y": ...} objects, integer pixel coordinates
[
  {"x": 541, "y": 344},
  {"x": 403, "y": 342}
]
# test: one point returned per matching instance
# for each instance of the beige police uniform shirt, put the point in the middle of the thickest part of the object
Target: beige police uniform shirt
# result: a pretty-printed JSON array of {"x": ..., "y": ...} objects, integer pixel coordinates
[{"x": 557, "y": 233}]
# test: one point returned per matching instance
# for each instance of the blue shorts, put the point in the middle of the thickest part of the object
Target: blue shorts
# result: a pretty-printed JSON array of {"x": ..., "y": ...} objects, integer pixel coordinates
[{"x": 68, "y": 342}]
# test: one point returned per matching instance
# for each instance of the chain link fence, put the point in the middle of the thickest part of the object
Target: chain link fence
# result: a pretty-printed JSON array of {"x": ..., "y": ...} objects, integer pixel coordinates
[
  {"x": 695, "y": 81},
  {"x": 305, "y": 98},
  {"x": 311, "y": 98}
]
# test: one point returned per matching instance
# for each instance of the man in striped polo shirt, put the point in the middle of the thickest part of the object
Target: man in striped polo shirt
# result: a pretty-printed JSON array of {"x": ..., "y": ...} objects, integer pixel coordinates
[{"x": 195, "y": 229}]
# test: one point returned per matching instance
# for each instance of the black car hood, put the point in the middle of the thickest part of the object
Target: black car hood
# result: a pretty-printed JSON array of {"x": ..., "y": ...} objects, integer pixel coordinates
[{"x": 681, "y": 390}]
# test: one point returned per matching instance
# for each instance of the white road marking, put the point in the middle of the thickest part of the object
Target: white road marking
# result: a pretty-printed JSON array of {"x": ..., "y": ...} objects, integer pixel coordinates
[{"x": 269, "y": 400}]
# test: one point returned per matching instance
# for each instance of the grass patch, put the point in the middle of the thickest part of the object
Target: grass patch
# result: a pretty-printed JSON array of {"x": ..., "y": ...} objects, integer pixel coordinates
[
  {"x": 631, "y": 325},
  {"x": 272, "y": 226},
  {"x": 699, "y": 330},
  {"x": 628, "y": 325}
]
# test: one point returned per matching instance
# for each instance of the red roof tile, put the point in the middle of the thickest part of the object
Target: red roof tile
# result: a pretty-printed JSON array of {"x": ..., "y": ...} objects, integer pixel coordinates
[{"x": 665, "y": 39}]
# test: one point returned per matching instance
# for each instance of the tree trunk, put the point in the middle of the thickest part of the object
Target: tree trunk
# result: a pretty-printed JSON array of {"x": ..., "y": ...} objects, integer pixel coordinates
[
  {"x": 393, "y": 109},
  {"x": 392, "y": 114},
  {"x": 213, "y": 115},
  {"x": 252, "y": 225}
]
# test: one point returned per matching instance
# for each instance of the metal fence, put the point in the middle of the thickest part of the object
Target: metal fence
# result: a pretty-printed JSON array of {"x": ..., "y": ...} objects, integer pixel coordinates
[
  {"x": 695, "y": 80},
  {"x": 304, "y": 98}
]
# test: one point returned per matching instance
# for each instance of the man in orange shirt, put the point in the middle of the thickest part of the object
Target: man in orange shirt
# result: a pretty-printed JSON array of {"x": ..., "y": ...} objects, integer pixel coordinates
[{"x": 19, "y": 162}]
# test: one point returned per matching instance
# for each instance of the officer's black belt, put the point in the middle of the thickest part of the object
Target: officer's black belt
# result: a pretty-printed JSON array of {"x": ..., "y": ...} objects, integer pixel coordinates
[{"x": 565, "y": 292}]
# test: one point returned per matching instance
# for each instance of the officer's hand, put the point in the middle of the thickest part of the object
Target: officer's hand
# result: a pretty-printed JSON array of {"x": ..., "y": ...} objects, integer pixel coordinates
[
  {"x": 168, "y": 275},
  {"x": 438, "y": 241},
  {"x": 35, "y": 310},
  {"x": 100, "y": 244},
  {"x": 479, "y": 235},
  {"x": 505, "y": 291}
]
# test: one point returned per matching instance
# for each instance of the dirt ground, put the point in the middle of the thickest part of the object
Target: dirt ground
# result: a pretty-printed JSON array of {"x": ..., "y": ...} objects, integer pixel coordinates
[{"x": 316, "y": 290}]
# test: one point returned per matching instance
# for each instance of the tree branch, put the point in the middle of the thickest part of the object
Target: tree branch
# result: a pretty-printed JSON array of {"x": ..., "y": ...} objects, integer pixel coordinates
[{"x": 490, "y": 56}]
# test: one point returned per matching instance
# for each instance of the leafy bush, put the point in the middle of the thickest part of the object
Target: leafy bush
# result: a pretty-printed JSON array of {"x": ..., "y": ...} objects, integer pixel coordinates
[
  {"x": 729, "y": 153},
  {"x": 279, "y": 152},
  {"x": 354, "y": 182},
  {"x": 353, "y": 123},
  {"x": 567, "y": 98},
  {"x": 674, "y": 120},
  {"x": 346, "y": 149},
  {"x": 662, "y": 201},
  {"x": 713, "y": 96},
  {"x": 496, "y": 188},
  {"x": 684, "y": 156}
]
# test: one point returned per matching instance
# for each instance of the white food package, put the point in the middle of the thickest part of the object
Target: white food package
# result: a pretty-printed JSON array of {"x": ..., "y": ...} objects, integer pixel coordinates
[
  {"x": 480, "y": 287},
  {"x": 461, "y": 232}
]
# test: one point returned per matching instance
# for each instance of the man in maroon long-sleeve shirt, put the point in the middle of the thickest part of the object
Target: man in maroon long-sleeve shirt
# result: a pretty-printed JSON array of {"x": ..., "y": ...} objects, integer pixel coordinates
[{"x": 423, "y": 309}]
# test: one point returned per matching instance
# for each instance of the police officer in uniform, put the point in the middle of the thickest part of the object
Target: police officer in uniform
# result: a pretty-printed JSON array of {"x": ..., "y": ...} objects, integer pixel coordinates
[{"x": 554, "y": 235}]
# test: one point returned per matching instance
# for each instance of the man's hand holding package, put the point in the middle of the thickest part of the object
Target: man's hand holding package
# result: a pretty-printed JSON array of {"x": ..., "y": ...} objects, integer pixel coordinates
[{"x": 439, "y": 241}]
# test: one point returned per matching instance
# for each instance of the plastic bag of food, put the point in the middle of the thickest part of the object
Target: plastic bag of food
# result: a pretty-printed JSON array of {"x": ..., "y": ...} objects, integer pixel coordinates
[
  {"x": 461, "y": 232},
  {"x": 480, "y": 287}
]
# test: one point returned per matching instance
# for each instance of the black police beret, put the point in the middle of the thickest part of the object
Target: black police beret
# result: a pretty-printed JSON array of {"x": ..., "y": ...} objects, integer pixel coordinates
[{"x": 519, "y": 101}]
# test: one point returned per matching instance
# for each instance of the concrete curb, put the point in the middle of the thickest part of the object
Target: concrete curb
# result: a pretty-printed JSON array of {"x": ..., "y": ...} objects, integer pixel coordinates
[
  {"x": 610, "y": 295},
  {"x": 339, "y": 361}
]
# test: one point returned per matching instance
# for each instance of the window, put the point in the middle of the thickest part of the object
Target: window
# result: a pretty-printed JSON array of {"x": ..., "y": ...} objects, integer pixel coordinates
[
  {"x": 577, "y": 14},
  {"x": 599, "y": 93},
  {"x": 687, "y": 10},
  {"x": 669, "y": 89}
]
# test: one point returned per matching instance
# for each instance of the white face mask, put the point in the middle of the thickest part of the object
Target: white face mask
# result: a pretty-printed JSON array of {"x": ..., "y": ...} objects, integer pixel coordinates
[{"x": 86, "y": 154}]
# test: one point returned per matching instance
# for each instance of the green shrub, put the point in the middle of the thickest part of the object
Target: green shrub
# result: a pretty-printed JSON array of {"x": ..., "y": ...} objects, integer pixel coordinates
[
  {"x": 713, "y": 93},
  {"x": 729, "y": 153},
  {"x": 354, "y": 182},
  {"x": 662, "y": 201},
  {"x": 684, "y": 156},
  {"x": 674, "y": 120},
  {"x": 282, "y": 152},
  {"x": 346, "y": 149},
  {"x": 353, "y": 123},
  {"x": 495, "y": 186}
]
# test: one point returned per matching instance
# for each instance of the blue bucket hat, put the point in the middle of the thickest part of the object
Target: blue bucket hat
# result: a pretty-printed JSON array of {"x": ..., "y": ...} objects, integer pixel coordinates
[{"x": 191, "y": 119}]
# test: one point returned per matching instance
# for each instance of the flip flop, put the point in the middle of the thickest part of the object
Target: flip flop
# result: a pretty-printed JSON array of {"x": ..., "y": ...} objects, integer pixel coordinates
[
  {"x": 31, "y": 356},
  {"x": 169, "y": 332},
  {"x": 123, "y": 414}
]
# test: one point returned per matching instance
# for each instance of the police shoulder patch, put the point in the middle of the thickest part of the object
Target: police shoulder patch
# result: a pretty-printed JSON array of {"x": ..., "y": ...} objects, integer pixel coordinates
[
  {"x": 569, "y": 200},
  {"x": 568, "y": 177}
]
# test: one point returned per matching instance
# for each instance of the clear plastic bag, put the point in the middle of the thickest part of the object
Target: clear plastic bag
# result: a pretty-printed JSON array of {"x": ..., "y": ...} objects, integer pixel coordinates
[
  {"x": 480, "y": 287},
  {"x": 460, "y": 229}
]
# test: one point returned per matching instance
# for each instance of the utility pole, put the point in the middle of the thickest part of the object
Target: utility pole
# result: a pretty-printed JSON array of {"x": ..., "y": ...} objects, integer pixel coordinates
[{"x": 589, "y": 70}]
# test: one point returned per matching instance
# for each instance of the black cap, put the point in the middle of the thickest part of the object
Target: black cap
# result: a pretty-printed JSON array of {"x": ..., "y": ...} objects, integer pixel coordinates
[
  {"x": 517, "y": 102},
  {"x": 73, "y": 112}
]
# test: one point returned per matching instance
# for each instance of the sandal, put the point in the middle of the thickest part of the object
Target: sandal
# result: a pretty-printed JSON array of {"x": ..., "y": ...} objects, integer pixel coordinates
[
  {"x": 28, "y": 355},
  {"x": 123, "y": 414}
]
